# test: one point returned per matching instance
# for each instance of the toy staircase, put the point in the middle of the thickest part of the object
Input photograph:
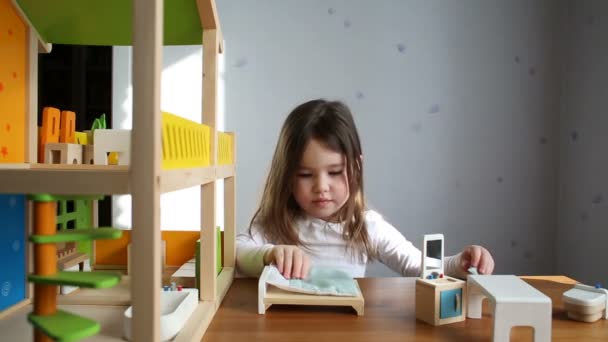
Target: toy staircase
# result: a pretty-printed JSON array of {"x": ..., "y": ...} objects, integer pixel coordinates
[{"x": 50, "y": 323}]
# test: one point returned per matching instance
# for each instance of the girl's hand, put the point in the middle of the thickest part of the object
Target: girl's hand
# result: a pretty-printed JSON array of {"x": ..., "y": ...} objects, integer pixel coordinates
[
  {"x": 291, "y": 261},
  {"x": 478, "y": 257}
]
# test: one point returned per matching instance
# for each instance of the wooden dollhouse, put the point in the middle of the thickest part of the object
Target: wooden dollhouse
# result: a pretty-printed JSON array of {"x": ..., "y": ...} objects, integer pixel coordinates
[{"x": 171, "y": 154}]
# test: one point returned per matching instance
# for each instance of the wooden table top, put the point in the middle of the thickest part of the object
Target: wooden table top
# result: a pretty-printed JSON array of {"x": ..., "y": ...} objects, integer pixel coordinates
[{"x": 389, "y": 316}]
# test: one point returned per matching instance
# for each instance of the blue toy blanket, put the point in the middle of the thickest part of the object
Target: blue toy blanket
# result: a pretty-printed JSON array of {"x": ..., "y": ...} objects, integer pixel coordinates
[{"x": 321, "y": 281}]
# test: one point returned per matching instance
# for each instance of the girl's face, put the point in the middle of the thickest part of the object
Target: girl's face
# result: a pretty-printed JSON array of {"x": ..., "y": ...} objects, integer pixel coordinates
[{"x": 321, "y": 183}]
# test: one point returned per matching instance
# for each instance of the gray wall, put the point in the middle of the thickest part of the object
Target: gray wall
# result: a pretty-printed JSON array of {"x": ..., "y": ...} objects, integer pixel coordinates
[
  {"x": 457, "y": 103},
  {"x": 582, "y": 235}
]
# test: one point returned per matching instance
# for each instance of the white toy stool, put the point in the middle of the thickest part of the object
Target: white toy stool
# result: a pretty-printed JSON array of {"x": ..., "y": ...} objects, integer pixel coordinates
[{"x": 513, "y": 303}]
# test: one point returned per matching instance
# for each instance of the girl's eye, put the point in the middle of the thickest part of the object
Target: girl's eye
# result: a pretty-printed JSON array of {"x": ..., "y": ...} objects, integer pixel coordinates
[
  {"x": 336, "y": 173},
  {"x": 304, "y": 175}
]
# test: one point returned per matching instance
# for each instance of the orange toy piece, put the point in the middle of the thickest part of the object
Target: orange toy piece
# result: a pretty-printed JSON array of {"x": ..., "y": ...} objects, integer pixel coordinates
[
  {"x": 68, "y": 127},
  {"x": 50, "y": 130},
  {"x": 45, "y": 262},
  {"x": 13, "y": 85}
]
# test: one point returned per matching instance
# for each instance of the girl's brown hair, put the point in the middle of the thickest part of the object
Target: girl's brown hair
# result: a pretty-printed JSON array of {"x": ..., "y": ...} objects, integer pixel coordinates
[{"x": 331, "y": 123}]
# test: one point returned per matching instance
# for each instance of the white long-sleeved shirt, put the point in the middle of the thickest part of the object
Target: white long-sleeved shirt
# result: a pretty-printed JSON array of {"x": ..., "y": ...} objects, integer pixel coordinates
[{"x": 326, "y": 247}]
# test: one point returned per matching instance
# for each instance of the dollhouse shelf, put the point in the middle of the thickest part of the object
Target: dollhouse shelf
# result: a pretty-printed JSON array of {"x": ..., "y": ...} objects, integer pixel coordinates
[
  {"x": 98, "y": 280},
  {"x": 120, "y": 296},
  {"x": 78, "y": 235},
  {"x": 107, "y": 180},
  {"x": 64, "y": 326}
]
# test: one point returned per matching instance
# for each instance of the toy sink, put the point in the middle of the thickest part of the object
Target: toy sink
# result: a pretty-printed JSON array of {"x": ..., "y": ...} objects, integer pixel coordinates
[{"x": 175, "y": 309}]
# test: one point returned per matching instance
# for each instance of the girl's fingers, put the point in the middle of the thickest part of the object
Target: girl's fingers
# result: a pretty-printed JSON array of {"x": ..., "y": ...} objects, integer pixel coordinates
[
  {"x": 291, "y": 261},
  {"x": 486, "y": 265},
  {"x": 297, "y": 264},
  {"x": 474, "y": 255},
  {"x": 478, "y": 257},
  {"x": 279, "y": 258},
  {"x": 288, "y": 262},
  {"x": 464, "y": 261}
]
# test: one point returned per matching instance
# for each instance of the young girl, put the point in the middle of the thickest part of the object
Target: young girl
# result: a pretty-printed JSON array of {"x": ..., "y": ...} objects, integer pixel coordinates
[{"x": 313, "y": 208}]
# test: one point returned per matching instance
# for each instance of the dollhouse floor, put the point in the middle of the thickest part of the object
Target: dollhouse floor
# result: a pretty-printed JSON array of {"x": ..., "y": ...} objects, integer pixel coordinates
[
  {"x": 15, "y": 327},
  {"x": 107, "y": 306},
  {"x": 118, "y": 295}
]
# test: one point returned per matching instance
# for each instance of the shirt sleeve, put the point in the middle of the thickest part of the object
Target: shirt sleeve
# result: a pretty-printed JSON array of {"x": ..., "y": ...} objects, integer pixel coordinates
[
  {"x": 393, "y": 249},
  {"x": 250, "y": 250},
  {"x": 398, "y": 253}
]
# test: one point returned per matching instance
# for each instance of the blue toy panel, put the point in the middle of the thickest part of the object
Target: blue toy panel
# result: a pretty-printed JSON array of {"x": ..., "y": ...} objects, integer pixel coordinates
[
  {"x": 12, "y": 250},
  {"x": 450, "y": 303}
]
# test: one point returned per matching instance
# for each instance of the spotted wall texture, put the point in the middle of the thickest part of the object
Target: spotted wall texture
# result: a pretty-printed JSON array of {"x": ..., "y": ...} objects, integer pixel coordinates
[
  {"x": 457, "y": 103},
  {"x": 583, "y": 208}
]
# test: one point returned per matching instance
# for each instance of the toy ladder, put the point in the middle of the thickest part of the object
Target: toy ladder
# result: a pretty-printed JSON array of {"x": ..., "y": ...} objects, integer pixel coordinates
[{"x": 51, "y": 324}]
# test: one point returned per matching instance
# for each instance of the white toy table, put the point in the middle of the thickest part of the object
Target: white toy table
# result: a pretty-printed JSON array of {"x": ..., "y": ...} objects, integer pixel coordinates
[{"x": 513, "y": 302}]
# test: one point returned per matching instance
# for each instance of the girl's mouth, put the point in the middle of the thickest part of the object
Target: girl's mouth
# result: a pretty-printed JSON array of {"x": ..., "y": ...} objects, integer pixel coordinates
[{"x": 321, "y": 202}]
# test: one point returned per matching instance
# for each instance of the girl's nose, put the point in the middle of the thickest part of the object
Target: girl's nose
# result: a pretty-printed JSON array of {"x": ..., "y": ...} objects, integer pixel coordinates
[{"x": 321, "y": 184}]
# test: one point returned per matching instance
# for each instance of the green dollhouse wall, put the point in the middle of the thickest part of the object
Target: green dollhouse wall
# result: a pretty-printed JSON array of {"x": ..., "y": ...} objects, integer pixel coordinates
[{"x": 76, "y": 214}]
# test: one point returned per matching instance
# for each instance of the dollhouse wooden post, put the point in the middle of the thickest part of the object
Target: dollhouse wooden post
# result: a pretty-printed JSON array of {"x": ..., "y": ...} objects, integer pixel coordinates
[
  {"x": 31, "y": 135},
  {"x": 230, "y": 212},
  {"x": 145, "y": 169},
  {"x": 208, "y": 256}
]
